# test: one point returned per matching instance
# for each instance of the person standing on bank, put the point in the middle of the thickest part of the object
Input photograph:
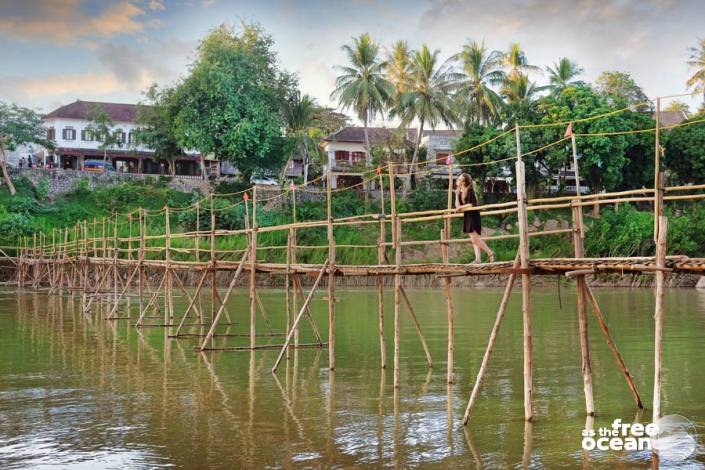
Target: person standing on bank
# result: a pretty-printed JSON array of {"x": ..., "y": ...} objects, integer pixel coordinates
[{"x": 472, "y": 224}]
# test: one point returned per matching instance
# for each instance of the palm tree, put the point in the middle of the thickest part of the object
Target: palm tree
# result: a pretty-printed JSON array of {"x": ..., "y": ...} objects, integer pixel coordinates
[
  {"x": 562, "y": 73},
  {"x": 520, "y": 94},
  {"x": 398, "y": 66},
  {"x": 428, "y": 98},
  {"x": 362, "y": 84},
  {"x": 514, "y": 61},
  {"x": 697, "y": 62},
  {"x": 480, "y": 69},
  {"x": 299, "y": 115}
]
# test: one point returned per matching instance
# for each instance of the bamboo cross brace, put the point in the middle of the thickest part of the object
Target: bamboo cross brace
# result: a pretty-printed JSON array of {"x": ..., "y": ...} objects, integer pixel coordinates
[
  {"x": 613, "y": 347},
  {"x": 490, "y": 343},
  {"x": 124, "y": 290},
  {"x": 221, "y": 309},
  {"x": 191, "y": 304},
  {"x": 299, "y": 315},
  {"x": 151, "y": 301},
  {"x": 300, "y": 292}
]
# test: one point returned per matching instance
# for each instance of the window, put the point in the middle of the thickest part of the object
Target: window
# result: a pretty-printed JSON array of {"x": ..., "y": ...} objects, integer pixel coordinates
[
  {"x": 442, "y": 158},
  {"x": 131, "y": 137},
  {"x": 51, "y": 133},
  {"x": 68, "y": 133},
  {"x": 120, "y": 137},
  {"x": 86, "y": 135},
  {"x": 358, "y": 157},
  {"x": 342, "y": 155}
]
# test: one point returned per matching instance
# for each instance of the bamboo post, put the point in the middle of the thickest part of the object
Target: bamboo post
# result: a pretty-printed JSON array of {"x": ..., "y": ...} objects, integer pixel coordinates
[
  {"x": 525, "y": 278},
  {"x": 396, "y": 228},
  {"x": 490, "y": 343},
  {"x": 658, "y": 199},
  {"x": 197, "y": 240},
  {"x": 142, "y": 223},
  {"x": 582, "y": 316},
  {"x": 115, "y": 259},
  {"x": 214, "y": 271},
  {"x": 658, "y": 313},
  {"x": 331, "y": 277},
  {"x": 577, "y": 183},
  {"x": 129, "y": 237},
  {"x": 253, "y": 267},
  {"x": 445, "y": 236},
  {"x": 380, "y": 289},
  {"x": 168, "y": 301}
]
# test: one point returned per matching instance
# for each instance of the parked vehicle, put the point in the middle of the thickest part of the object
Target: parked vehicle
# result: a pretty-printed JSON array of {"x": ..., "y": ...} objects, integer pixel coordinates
[
  {"x": 98, "y": 166},
  {"x": 264, "y": 181}
]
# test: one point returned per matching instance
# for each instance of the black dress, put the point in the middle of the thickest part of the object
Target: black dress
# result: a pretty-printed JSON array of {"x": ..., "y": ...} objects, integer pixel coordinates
[{"x": 471, "y": 219}]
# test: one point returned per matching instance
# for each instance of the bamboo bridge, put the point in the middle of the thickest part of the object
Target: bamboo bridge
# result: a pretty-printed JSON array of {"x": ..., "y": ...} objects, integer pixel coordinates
[{"x": 108, "y": 268}]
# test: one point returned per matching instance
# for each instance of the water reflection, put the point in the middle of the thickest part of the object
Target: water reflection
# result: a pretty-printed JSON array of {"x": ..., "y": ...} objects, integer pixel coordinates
[{"x": 77, "y": 390}]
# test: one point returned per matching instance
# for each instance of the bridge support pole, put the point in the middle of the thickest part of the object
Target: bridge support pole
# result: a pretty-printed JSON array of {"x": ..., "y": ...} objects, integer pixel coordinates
[
  {"x": 582, "y": 315},
  {"x": 658, "y": 313},
  {"x": 525, "y": 279}
]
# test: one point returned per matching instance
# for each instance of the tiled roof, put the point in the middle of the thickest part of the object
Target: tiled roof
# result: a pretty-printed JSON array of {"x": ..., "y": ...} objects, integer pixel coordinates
[
  {"x": 671, "y": 118},
  {"x": 443, "y": 132},
  {"x": 377, "y": 135},
  {"x": 118, "y": 112}
]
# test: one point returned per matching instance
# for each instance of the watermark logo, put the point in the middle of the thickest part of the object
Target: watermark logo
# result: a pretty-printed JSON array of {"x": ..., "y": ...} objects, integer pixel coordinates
[{"x": 673, "y": 437}]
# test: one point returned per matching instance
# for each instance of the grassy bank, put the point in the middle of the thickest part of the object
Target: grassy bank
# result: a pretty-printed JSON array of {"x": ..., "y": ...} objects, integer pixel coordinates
[{"x": 623, "y": 231}]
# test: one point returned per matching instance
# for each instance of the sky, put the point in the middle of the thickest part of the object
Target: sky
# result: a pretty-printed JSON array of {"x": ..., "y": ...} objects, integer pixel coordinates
[{"x": 53, "y": 52}]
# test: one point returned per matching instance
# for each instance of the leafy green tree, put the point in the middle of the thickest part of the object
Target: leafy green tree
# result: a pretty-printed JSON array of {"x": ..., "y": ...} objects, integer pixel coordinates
[
  {"x": 696, "y": 62},
  {"x": 562, "y": 74},
  {"x": 601, "y": 158},
  {"x": 103, "y": 129},
  {"x": 479, "y": 70},
  {"x": 156, "y": 125},
  {"x": 621, "y": 90},
  {"x": 362, "y": 85},
  {"x": 328, "y": 120},
  {"x": 230, "y": 104},
  {"x": 427, "y": 98},
  {"x": 685, "y": 158},
  {"x": 476, "y": 134},
  {"x": 19, "y": 126}
]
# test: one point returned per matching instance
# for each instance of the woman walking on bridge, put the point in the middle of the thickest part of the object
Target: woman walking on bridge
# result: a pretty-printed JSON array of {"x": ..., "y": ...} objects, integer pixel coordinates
[{"x": 464, "y": 198}]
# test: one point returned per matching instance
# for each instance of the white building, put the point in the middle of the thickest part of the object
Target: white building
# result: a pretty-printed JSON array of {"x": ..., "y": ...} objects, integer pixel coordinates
[
  {"x": 346, "y": 150},
  {"x": 68, "y": 127}
]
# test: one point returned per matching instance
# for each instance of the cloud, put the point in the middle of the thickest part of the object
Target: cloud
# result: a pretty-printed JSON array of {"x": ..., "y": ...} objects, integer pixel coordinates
[
  {"x": 65, "y": 21},
  {"x": 39, "y": 90},
  {"x": 156, "y": 5}
]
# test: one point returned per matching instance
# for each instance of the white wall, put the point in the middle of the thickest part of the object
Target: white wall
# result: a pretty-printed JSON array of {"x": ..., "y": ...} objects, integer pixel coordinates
[{"x": 81, "y": 124}]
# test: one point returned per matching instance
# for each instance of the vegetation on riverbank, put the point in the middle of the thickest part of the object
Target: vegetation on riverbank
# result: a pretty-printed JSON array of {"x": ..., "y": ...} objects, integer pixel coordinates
[{"x": 622, "y": 231}]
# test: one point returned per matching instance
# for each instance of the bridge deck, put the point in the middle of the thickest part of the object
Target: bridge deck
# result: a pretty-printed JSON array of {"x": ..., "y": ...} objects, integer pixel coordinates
[{"x": 676, "y": 264}]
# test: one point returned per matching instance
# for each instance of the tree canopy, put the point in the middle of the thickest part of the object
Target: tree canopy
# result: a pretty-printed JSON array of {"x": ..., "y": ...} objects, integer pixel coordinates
[
  {"x": 230, "y": 104},
  {"x": 19, "y": 126}
]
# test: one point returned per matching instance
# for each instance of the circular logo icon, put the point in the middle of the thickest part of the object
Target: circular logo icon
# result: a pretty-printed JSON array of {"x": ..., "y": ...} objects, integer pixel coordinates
[{"x": 675, "y": 438}]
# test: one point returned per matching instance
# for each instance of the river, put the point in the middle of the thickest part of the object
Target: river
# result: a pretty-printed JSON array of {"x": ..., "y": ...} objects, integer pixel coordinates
[{"x": 78, "y": 392}]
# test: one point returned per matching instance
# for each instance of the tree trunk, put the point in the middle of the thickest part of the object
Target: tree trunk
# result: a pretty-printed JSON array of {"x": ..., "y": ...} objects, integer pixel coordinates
[
  {"x": 282, "y": 173},
  {"x": 368, "y": 159},
  {"x": 6, "y": 174},
  {"x": 415, "y": 158}
]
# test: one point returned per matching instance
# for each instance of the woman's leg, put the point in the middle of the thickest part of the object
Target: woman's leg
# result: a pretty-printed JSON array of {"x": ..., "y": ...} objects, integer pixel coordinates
[
  {"x": 476, "y": 247},
  {"x": 480, "y": 244}
]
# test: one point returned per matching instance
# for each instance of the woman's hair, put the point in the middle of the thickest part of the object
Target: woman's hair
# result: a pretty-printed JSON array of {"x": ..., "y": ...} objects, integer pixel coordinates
[{"x": 466, "y": 178}]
